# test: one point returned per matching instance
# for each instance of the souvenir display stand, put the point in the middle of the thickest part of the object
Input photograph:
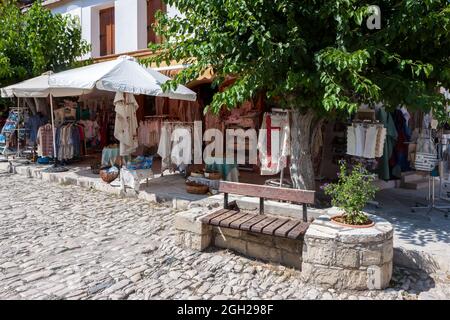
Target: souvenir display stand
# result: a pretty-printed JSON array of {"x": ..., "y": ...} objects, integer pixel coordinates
[{"x": 437, "y": 166}]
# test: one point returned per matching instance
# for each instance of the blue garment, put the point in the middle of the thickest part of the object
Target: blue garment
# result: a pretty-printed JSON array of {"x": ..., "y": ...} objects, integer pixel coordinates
[
  {"x": 57, "y": 140},
  {"x": 75, "y": 134},
  {"x": 33, "y": 124}
]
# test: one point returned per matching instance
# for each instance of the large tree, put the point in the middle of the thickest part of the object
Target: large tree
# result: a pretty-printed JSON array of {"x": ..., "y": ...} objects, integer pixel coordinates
[
  {"x": 34, "y": 40},
  {"x": 317, "y": 56}
]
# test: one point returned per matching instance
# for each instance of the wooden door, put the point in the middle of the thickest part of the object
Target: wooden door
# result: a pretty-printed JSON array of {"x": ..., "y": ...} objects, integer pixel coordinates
[
  {"x": 152, "y": 7},
  {"x": 107, "y": 31}
]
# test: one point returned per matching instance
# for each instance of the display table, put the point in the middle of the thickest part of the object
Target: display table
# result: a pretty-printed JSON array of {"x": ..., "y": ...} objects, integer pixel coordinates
[
  {"x": 133, "y": 178},
  {"x": 213, "y": 184},
  {"x": 110, "y": 156}
]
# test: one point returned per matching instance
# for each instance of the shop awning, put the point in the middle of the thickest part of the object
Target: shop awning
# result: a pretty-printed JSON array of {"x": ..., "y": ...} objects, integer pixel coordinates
[{"x": 124, "y": 74}]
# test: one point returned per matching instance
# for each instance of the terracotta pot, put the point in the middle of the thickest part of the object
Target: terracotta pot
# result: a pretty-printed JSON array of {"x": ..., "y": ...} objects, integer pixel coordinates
[{"x": 333, "y": 219}]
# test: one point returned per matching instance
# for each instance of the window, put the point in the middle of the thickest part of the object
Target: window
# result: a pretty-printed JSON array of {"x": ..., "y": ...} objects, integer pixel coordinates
[
  {"x": 107, "y": 41},
  {"x": 152, "y": 7}
]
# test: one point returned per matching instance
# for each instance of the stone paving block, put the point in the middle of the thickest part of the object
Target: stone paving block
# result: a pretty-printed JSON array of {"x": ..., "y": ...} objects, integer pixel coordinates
[{"x": 140, "y": 249}]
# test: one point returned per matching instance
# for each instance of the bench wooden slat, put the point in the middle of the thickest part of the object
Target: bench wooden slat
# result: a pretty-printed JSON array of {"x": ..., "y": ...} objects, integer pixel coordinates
[
  {"x": 270, "y": 229},
  {"x": 248, "y": 224},
  {"x": 216, "y": 221},
  {"x": 262, "y": 224},
  {"x": 207, "y": 219},
  {"x": 237, "y": 223},
  {"x": 298, "y": 231},
  {"x": 267, "y": 192},
  {"x": 226, "y": 222},
  {"x": 285, "y": 228}
]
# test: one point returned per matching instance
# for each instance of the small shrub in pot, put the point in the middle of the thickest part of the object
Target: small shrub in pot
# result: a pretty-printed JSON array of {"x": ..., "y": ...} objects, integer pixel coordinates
[{"x": 351, "y": 193}]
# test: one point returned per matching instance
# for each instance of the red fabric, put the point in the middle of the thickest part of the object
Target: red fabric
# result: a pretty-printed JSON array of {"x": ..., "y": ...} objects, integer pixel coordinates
[{"x": 269, "y": 140}]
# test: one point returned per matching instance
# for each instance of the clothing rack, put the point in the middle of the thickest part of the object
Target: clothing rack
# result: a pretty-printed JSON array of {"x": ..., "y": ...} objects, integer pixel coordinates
[{"x": 157, "y": 116}]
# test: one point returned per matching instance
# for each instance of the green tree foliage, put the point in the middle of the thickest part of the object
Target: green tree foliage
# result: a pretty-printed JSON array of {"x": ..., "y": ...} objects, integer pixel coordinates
[
  {"x": 314, "y": 54},
  {"x": 35, "y": 41}
]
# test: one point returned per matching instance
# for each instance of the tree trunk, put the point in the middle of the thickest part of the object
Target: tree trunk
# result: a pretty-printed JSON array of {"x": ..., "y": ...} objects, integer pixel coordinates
[{"x": 302, "y": 170}]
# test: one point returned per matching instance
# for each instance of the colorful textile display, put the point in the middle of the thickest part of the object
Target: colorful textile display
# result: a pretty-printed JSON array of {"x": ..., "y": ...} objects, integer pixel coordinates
[{"x": 140, "y": 163}]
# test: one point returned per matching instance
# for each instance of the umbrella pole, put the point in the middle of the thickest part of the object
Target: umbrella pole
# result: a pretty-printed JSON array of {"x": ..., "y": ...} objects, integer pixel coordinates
[
  {"x": 53, "y": 129},
  {"x": 18, "y": 128},
  {"x": 55, "y": 167}
]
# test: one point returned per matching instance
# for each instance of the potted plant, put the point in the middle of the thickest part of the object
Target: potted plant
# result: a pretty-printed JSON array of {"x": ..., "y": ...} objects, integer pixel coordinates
[{"x": 350, "y": 194}]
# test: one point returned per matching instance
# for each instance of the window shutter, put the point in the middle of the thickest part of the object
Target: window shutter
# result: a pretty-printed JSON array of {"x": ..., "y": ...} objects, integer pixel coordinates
[
  {"x": 152, "y": 7},
  {"x": 107, "y": 31}
]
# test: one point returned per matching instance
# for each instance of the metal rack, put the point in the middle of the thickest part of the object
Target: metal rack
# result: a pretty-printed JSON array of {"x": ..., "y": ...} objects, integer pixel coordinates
[{"x": 432, "y": 204}]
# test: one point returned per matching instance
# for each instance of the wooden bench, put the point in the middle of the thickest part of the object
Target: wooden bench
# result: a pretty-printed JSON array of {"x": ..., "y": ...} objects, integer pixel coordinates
[{"x": 232, "y": 218}]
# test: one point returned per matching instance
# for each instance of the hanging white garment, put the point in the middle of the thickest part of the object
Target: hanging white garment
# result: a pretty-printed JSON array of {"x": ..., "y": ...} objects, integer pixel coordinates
[
  {"x": 274, "y": 152},
  {"x": 371, "y": 142},
  {"x": 181, "y": 153},
  {"x": 351, "y": 141},
  {"x": 360, "y": 134},
  {"x": 381, "y": 138},
  {"x": 165, "y": 146},
  {"x": 126, "y": 124}
]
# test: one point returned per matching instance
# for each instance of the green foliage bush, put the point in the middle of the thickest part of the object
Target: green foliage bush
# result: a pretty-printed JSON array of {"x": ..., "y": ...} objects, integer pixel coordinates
[{"x": 352, "y": 192}]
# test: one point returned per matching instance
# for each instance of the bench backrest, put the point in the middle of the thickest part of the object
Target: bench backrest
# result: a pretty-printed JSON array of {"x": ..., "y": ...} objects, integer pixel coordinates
[{"x": 268, "y": 192}]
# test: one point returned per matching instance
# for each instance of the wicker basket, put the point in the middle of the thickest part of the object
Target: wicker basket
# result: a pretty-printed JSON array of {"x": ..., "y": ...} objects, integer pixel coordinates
[
  {"x": 196, "y": 188},
  {"x": 213, "y": 175},
  {"x": 108, "y": 177}
]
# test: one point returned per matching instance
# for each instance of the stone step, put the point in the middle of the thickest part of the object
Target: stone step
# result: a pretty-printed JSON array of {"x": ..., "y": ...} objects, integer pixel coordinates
[
  {"x": 413, "y": 176},
  {"x": 415, "y": 185},
  {"x": 382, "y": 185}
]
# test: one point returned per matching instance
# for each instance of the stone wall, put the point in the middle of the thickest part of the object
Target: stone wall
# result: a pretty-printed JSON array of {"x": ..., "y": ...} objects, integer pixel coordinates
[
  {"x": 341, "y": 257},
  {"x": 285, "y": 251}
]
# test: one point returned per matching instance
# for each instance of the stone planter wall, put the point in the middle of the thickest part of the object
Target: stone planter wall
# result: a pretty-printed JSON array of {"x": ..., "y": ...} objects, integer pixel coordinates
[
  {"x": 330, "y": 255},
  {"x": 342, "y": 257}
]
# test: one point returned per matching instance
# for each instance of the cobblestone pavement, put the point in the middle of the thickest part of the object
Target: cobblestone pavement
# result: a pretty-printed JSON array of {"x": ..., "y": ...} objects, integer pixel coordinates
[{"x": 65, "y": 242}]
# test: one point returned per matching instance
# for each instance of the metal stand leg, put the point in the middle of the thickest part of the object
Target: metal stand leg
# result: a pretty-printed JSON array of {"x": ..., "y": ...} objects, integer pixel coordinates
[{"x": 431, "y": 200}]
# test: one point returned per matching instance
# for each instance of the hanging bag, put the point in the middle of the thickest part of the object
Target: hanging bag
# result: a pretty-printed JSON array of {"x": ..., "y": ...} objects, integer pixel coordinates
[{"x": 426, "y": 155}]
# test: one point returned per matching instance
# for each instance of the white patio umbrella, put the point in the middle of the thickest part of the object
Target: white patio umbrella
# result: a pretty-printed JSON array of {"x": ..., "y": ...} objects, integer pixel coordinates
[{"x": 124, "y": 74}]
